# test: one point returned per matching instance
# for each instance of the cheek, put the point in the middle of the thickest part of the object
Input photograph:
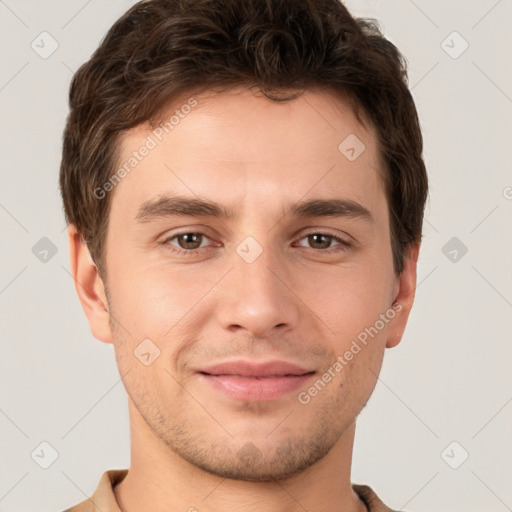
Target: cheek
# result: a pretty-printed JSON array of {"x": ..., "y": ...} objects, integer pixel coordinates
[
  {"x": 146, "y": 296},
  {"x": 348, "y": 298},
  {"x": 169, "y": 307}
]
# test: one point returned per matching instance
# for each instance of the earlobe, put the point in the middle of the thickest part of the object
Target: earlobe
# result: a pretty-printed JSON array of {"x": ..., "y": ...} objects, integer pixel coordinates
[
  {"x": 89, "y": 286},
  {"x": 404, "y": 297}
]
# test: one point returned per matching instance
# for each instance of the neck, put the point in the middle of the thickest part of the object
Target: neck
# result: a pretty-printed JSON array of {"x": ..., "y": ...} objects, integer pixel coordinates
[{"x": 160, "y": 480}]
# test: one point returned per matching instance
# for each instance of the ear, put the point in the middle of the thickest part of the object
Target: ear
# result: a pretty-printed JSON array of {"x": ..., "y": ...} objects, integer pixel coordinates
[
  {"x": 404, "y": 296},
  {"x": 89, "y": 286}
]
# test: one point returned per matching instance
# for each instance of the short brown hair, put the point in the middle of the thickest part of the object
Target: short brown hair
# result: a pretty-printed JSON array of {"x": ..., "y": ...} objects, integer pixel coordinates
[{"x": 160, "y": 48}]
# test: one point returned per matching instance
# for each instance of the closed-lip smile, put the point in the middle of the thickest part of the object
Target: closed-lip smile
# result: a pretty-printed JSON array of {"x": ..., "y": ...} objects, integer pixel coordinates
[{"x": 255, "y": 381}]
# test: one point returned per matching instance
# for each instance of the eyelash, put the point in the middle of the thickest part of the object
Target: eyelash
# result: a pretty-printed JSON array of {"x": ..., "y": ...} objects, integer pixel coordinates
[{"x": 192, "y": 252}]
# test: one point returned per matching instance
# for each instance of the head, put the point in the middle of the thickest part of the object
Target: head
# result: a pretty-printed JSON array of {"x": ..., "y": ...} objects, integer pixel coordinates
[{"x": 244, "y": 180}]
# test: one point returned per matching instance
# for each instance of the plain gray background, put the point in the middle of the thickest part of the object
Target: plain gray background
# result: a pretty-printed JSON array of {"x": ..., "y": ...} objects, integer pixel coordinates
[{"x": 448, "y": 381}]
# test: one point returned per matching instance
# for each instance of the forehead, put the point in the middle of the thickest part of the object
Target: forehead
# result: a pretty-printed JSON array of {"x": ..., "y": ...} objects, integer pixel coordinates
[{"x": 238, "y": 146}]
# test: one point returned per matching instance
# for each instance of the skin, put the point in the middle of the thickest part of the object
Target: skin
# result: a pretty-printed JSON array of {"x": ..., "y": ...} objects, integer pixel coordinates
[{"x": 191, "y": 445}]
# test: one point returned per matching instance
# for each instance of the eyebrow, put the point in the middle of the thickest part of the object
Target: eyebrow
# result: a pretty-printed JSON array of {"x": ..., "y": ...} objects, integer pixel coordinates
[{"x": 178, "y": 206}]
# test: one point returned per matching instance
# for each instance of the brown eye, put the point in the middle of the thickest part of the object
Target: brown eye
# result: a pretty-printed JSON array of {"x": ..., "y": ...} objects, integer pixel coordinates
[
  {"x": 187, "y": 243},
  {"x": 322, "y": 242},
  {"x": 189, "y": 240}
]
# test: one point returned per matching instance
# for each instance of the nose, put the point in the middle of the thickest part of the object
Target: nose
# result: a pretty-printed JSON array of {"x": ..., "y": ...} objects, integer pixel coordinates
[{"x": 258, "y": 296}]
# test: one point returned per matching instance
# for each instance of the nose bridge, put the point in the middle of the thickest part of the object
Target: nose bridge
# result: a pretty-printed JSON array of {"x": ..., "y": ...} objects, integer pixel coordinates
[
  {"x": 255, "y": 297},
  {"x": 256, "y": 263}
]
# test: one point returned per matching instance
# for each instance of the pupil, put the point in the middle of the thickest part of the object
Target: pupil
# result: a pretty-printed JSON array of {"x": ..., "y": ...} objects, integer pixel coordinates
[
  {"x": 190, "y": 238},
  {"x": 317, "y": 237}
]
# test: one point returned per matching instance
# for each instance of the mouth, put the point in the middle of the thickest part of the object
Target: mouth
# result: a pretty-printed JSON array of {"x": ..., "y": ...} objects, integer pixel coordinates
[{"x": 246, "y": 380}]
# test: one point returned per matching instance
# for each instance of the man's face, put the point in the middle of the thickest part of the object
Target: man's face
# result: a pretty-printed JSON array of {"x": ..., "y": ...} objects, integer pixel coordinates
[{"x": 261, "y": 286}]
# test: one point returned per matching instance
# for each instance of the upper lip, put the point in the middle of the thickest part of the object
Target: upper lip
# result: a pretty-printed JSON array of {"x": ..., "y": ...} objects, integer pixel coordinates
[{"x": 253, "y": 369}]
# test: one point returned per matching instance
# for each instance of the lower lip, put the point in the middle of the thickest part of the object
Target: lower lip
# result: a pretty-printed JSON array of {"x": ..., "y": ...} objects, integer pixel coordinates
[{"x": 254, "y": 388}]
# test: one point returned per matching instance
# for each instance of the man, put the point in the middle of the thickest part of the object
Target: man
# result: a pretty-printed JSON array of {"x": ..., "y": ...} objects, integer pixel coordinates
[{"x": 244, "y": 188}]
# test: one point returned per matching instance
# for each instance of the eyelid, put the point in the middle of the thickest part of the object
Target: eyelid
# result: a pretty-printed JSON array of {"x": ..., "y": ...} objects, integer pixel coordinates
[
  {"x": 326, "y": 231},
  {"x": 199, "y": 230},
  {"x": 341, "y": 245},
  {"x": 167, "y": 239}
]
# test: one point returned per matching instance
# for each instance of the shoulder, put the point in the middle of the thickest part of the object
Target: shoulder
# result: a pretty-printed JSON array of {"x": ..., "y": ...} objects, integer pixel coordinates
[
  {"x": 370, "y": 498},
  {"x": 103, "y": 498}
]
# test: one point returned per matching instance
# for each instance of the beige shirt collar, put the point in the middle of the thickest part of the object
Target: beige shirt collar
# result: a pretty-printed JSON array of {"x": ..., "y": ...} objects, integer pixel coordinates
[{"x": 103, "y": 499}]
